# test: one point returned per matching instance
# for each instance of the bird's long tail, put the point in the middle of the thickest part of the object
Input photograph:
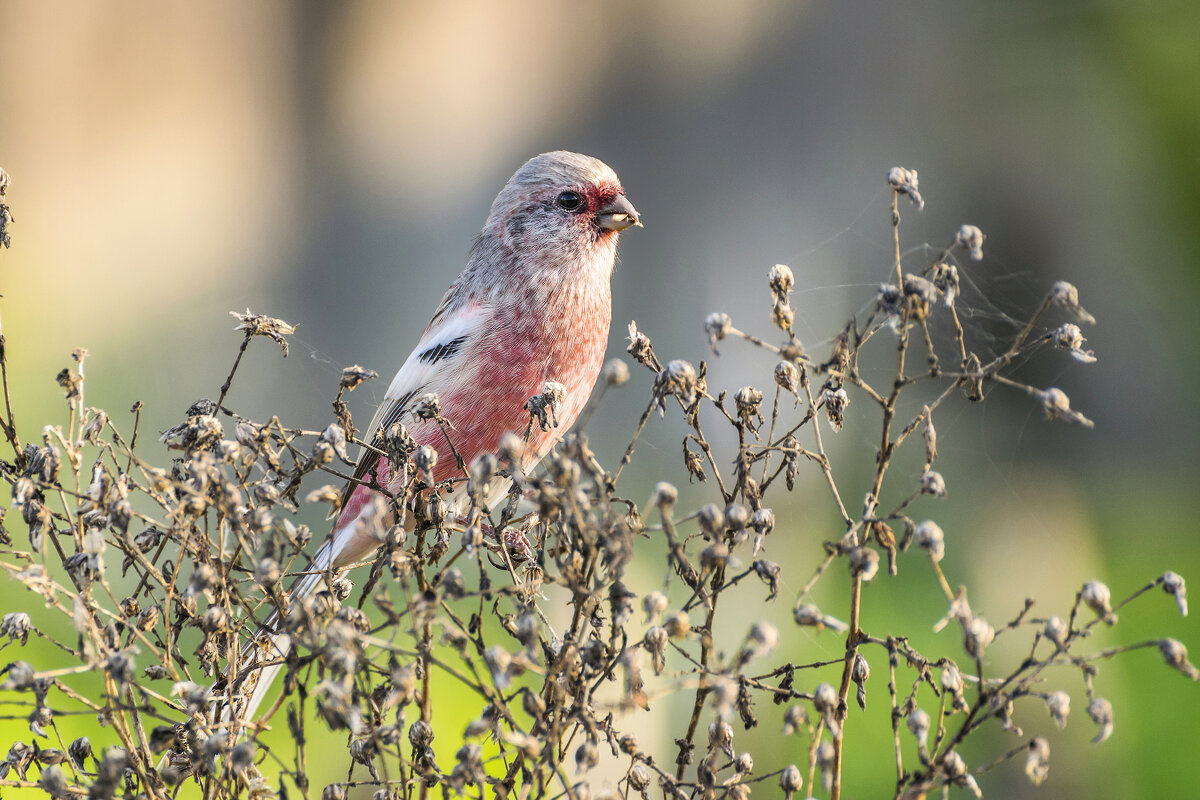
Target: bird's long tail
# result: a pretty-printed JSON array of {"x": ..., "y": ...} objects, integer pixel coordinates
[{"x": 270, "y": 645}]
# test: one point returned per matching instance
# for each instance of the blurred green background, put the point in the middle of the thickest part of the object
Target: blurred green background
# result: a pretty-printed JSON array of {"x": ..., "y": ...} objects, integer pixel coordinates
[{"x": 330, "y": 163}]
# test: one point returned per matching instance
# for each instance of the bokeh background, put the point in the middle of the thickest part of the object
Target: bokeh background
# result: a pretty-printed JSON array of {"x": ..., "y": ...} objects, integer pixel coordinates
[{"x": 329, "y": 164}]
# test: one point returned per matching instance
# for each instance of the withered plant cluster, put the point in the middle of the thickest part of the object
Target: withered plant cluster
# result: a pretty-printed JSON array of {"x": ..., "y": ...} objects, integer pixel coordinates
[{"x": 166, "y": 565}]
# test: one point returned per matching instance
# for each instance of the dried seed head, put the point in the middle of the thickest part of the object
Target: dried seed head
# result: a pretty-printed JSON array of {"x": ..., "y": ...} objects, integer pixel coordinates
[
  {"x": 1065, "y": 295},
  {"x": 1056, "y": 631},
  {"x": 16, "y": 625},
  {"x": 640, "y": 348},
  {"x": 655, "y": 643},
  {"x": 615, "y": 373},
  {"x": 782, "y": 315},
  {"x": 929, "y": 536},
  {"x": 353, "y": 376},
  {"x": 587, "y": 755},
  {"x": 781, "y": 280},
  {"x": 918, "y": 726},
  {"x": 808, "y": 615},
  {"x": 1057, "y": 405},
  {"x": 977, "y": 635},
  {"x": 717, "y": 325},
  {"x": 919, "y": 294},
  {"x": 1174, "y": 585},
  {"x": 1101, "y": 712},
  {"x": 1176, "y": 656},
  {"x": 888, "y": 300},
  {"x": 835, "y": 402},
  {"x": 790, "y": 780},
  {"x": 956, "y": 770},
  {"x": 712, "y": 521},
  {"x": 864, "y": 563},
  {"x": 428, "y": 407},
  {"x": 678, "y": 625},
  {"x": 1037, "y": 763},
  {"x": 654, "y": 604},
  {"x": 970, "y": 239},
  {"x": 1059, "y": 704},
  {"x": 748, "y": 402},
  {"x": 860, "y": 673},
  {"x": 426, "y": 459},
  {"x": 933, "y": 483},
  {"x": 678, "y": 378},
  {"x": 1098, "y": 598},
  {"x": 1068, "y": 337},
  {"x": 904, "y": 181},
  {"x": 945, "y": 278},
  {"x": 639, "y": 776},
  {"x": 262, "y": 325},
  {"x": 787, "y": 377},
  {"x": 720, "y": 737},
  {"x": 420, "y": 734}
]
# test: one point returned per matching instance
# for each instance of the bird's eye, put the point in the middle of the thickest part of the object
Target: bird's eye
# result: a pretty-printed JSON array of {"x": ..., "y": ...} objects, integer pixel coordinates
[{"x": 570, "y": 201}]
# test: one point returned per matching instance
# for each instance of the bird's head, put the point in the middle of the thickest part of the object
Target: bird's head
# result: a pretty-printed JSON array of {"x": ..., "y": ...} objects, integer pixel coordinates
[{"x": 564, "y": 202}]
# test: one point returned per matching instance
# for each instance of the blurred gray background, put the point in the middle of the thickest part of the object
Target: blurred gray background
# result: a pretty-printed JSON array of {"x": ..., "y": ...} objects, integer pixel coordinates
[{"x": 330, "y": 163}]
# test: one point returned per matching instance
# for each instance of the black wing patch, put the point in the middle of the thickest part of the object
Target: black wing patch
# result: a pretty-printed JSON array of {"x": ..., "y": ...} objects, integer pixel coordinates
[{"x": 441, "y": 351}]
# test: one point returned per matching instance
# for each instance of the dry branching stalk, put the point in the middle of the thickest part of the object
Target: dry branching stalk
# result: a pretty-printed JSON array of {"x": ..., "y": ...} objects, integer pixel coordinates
[{"x": 164, "y": 570}]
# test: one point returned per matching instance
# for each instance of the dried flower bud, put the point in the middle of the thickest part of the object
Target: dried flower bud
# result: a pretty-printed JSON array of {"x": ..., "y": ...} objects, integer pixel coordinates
[
  {"x": 639, "y": 777},
  {"x": 79, "y": 751},
  {"x": 353, "y": 376},
  {"x": 420, "y": 734},
  {"x": 933, "y": 483},
  {"x": 790, "y": 780},
  {"x": 952, "y": 682},
  {"x": 864, "y": 563},
  {"x": 678, "y": 378},
  {"x": 888, "y": 300},
  {"x": 717, "y": 325},
  {"x": 1056, "y": 631},
  {"x": 835, "y": 402},
  {"x": 16, "y": 625},
  {"x": 720, "y": 737},
  {"x": 1057, "y": 405},
  {"x": 808, "y": 615},
  {"x": 977, "y": 635},
  {"x": 748, "y": 402},
  {"x": 1101, "y": 712},
  {"x": 970, "y": 239},
  {"x": 1176, "y": 656},
  {"x": 919, "y": 294},
  {"x": 640, "y": 348},
  {"x": 945, "y": 278},
  {"x": 904, "y": 181},
  {"x": 426, "y": 459},
  {"x": 1037, "y": 763},
  {"x": 1173, "y": 585},
  {"x": 712, "y": 521},
  {"x": 918, "y": 726},
  {"x": 655, "y": 643},
  {"x": 1059, "y": 705},
  {"x": 678, "y": 625},
  {"x": 615, "y": 373},
  {"x": 929, "y": 536},
  {"x": 781, "y": 280},
  {"x": 860, "y": 673},
  {"x": 587, "y": 755},
  {"x": 782, "y": 315},
  {"x": 787, "y": 377},
  {"x": 956, "y": 770},
  {"x": 428, "y": 407},
  {"x": 262, "y": 325},
  {"x": 1068, "y": 337},
  {"x": 1065, "y": 295},
  {"x": 1098, "y": 598}
]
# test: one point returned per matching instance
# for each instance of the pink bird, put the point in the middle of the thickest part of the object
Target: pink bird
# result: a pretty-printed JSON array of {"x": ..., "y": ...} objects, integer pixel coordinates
[{"x": 533, "y": 305}]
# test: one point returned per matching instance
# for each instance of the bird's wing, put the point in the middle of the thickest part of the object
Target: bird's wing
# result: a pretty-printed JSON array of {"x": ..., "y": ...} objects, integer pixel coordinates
[{"x": 426, "y": 370}]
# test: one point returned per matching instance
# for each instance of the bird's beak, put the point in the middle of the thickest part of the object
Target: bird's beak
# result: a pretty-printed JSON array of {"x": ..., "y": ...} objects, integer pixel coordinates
[{"x": 618, "y": 215}]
